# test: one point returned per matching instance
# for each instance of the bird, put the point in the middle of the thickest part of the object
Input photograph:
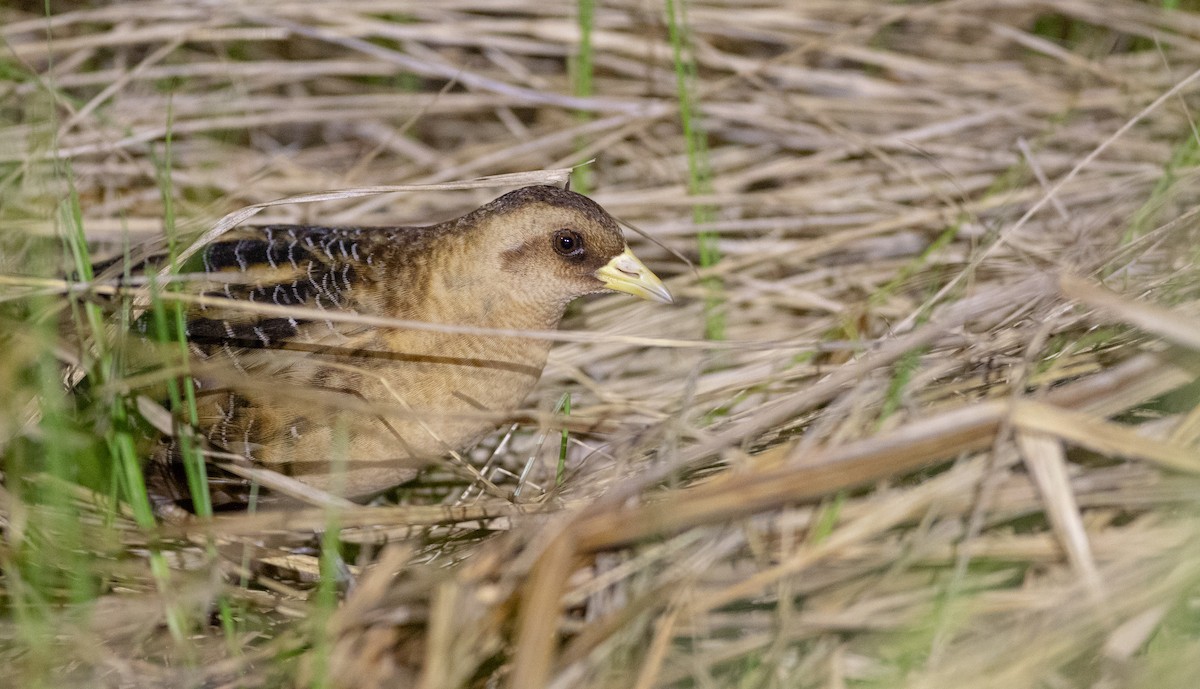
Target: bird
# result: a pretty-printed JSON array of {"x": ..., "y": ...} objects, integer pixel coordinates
[{"x": 353, "y": 408}]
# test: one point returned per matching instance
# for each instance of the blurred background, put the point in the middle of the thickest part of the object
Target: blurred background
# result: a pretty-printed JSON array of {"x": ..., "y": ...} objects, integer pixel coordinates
[{"x": 924, "y": 413}]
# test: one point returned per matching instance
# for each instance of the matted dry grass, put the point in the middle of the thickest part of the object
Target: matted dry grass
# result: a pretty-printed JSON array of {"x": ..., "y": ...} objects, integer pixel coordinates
[{"x": 948, "y": 439}]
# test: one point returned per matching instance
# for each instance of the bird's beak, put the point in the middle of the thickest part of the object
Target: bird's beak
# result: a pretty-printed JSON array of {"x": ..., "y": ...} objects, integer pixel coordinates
[{"x": 625, "y": 273}]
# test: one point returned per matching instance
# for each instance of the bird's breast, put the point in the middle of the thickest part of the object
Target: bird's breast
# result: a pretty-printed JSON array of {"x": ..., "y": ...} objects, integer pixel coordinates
[{"x": 363, "y": 416}]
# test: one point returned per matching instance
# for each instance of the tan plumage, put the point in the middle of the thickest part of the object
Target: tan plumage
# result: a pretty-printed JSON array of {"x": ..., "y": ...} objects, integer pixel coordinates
[{"x": 293, "y": 394}]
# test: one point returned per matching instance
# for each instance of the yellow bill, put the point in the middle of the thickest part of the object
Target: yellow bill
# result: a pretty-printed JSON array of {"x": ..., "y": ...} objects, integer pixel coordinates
[{"x": 625, "y": 273}]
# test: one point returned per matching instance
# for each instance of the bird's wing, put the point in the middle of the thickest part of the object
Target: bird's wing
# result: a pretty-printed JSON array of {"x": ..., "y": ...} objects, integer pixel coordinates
[
  {"x": 252, "y": 363},
  {"x": 317, "y": 268}
]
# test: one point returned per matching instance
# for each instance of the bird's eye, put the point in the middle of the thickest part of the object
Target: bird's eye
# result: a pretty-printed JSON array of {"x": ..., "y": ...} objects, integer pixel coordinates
[{"x": 568, "y": 243}]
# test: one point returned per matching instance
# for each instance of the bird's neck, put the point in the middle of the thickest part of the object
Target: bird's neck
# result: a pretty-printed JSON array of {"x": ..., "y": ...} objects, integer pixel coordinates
[
  {"x": 460, "y": 288},
  {"x": 470, "y": 287}
]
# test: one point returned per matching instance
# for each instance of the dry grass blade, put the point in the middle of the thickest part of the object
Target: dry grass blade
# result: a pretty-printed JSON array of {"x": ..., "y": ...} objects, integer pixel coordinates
[
  {"x": 1105, "y": 438},
  {"x": 1171, "y": 325},
  {"x": 1048, "y": 465}
]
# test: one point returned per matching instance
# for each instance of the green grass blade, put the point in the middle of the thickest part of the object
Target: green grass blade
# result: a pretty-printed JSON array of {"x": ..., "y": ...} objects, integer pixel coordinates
[{"x": 699, "y": 166}]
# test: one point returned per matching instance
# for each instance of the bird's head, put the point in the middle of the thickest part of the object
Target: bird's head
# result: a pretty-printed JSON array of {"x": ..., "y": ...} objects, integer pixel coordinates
[{"x": 558, "y": 245}]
